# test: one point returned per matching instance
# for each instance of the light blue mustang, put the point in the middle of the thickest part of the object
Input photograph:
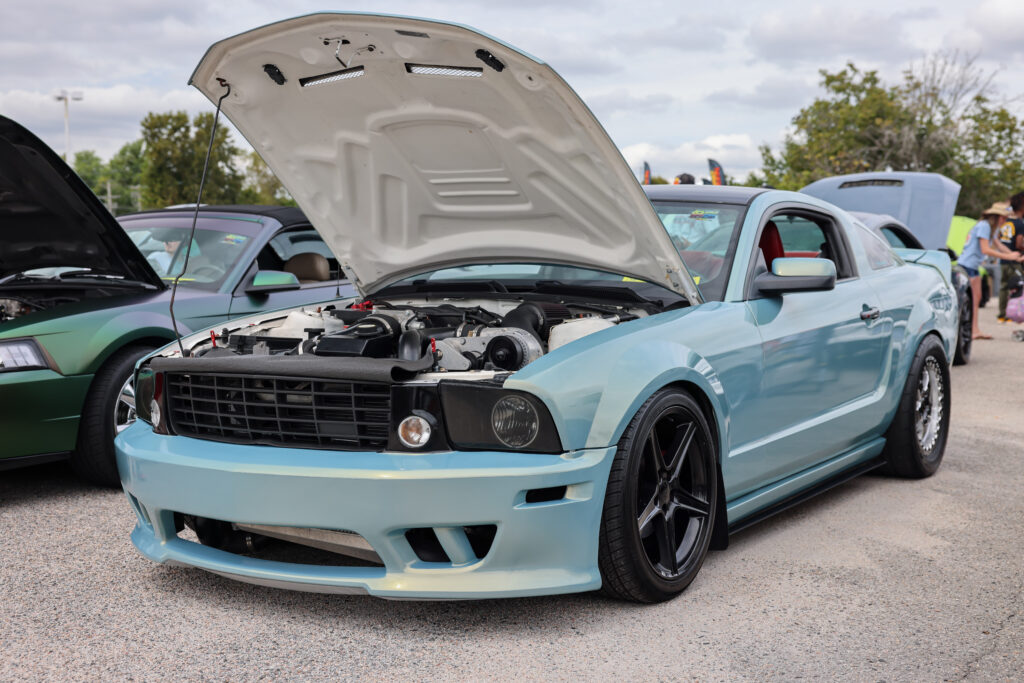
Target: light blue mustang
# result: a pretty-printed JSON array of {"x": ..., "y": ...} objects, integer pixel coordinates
[{"x": 551, "y": 383}]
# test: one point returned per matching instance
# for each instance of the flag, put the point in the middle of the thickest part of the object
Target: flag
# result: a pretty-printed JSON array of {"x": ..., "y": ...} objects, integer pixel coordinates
[
  {"x": 717, "y": 174},
  {"x": 647, "y": 174}
]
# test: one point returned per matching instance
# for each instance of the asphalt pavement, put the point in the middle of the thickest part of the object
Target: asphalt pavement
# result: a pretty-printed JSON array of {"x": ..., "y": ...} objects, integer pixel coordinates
[{"x": 879, "y": 579}]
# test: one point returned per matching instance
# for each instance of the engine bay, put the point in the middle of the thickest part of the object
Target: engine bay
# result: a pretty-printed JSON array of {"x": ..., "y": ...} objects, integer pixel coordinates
[{"x": 487, "y": 335}]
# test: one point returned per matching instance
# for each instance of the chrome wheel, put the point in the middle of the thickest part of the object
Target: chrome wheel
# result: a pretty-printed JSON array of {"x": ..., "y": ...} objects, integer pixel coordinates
[
  {"x": 673, "y": 493},
  {"x": 124, "y": 407},
  {"x": 928, "y": 405}
]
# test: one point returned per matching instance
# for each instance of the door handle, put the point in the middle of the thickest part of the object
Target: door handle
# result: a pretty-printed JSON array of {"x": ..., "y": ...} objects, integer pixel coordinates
[{"x": 870, "y": 314}]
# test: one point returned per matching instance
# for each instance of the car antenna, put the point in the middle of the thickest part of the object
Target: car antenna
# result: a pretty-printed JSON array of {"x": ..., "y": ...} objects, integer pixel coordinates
[{"x": 195, "y": 214}]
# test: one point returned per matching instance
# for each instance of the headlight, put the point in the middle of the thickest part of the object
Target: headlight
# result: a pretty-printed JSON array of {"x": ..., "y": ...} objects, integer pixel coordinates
[
  {"x": 21, "y": 354},
  {"x": 149, "y": 407},
  {"x": 515, "y": 421},
  {"x": 490, "y": 418}
]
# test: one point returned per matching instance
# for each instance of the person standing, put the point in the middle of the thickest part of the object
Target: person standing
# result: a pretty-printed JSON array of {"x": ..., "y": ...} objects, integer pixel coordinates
[
  {"x": 1011, "y": 234},
  {"x": 979, "y": 245}
]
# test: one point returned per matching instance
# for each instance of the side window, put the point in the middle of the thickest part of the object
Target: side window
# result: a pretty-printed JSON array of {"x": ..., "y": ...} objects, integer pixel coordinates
[
  {"x": 317, "y": 265},
  {"x": 879, "y": 253},
  {"x": 800, "y": 236},
  {"x": 809, "y": 235},
  {"x": 892, "y": 238}
]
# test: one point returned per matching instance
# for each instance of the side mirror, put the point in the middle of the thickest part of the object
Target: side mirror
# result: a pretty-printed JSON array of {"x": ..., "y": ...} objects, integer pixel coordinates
[
  {"x": 267, "y": 281},
  {"x": 797, "y": 275}
]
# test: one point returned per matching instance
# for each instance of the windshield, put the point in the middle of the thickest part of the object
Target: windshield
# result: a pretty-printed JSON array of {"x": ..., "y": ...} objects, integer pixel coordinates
[
  {"x": 705, "y": 235},
  {"x": 517, "y": 277},
  {"x": 218, "y": 245}
]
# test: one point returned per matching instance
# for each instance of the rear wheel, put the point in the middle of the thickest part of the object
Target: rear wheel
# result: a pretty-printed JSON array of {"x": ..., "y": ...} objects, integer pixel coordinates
[
  {"x": 916, "y": 440},
  {"x": 659, "y": 507},
  {"x": 964, "y": 334},
  {"x": 109, "y": 409}
]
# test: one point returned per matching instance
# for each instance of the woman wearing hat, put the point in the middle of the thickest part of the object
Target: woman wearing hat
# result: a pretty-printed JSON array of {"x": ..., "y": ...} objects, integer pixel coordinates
[{"x": 979, "y": 245}]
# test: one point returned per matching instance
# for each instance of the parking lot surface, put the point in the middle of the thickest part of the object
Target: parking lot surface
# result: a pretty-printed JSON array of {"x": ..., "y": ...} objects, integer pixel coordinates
[{"x": 877, "y": 579}]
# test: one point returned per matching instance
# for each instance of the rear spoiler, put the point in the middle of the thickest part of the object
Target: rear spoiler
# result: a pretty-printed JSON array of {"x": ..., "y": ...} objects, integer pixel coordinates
[{"x": 939, "y": 260}]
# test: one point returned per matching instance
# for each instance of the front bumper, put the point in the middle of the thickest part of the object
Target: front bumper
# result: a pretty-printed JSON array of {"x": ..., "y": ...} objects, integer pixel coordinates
[
  {"x": 40, "y": 411},
  {"x": 539, "y": 548}
]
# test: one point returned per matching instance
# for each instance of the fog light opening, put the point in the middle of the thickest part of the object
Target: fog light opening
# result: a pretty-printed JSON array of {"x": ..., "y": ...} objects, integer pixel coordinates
[{"x": 414, "y": 432}]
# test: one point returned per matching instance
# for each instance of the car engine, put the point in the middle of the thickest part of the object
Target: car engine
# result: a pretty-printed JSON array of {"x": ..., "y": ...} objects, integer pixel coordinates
[{"x": 497, "y": 336}]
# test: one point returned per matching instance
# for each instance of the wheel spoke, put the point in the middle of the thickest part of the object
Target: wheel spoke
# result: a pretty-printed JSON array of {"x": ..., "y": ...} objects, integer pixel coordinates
[
  {"x": 680, "y": 446},
  {"x": 658, "y": 458},
  {"x": 693, "y": 505},
  {"x": 646, "y": 518},
  {"x": 667, "y": 544},
  {"x": 127, "y": 395}
]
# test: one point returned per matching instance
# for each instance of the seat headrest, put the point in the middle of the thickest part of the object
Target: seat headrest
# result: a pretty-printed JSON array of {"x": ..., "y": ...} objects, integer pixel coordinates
[{"x": 309, "y": 267}]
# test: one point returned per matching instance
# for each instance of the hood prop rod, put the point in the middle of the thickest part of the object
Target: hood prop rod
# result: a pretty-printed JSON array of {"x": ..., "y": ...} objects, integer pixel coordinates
[{"x": 195, "y": 214}]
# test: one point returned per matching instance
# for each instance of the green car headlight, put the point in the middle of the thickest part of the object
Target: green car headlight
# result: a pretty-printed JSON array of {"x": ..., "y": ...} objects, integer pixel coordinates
[
  {"x": 21, "y": 354},
  {"x": 149, "y": 400},
  {"x": 491, "y": 418}
]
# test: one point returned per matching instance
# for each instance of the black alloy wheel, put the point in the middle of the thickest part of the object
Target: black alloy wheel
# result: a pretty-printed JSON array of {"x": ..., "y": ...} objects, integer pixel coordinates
[
  {"x": 962, "y": 355},
  {"x": 659, "y": 508}
]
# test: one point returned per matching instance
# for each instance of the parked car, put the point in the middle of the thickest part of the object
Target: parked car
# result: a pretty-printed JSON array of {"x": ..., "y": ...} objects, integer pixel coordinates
[
  {"x": 82, "y": 298},
  {"x": 532, "y": 393},
  {"x": 924, "y": 203}
]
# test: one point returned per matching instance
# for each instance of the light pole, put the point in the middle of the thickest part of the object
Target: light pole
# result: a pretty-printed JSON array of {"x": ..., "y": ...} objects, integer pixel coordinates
[{"x": 66, "y": 97}]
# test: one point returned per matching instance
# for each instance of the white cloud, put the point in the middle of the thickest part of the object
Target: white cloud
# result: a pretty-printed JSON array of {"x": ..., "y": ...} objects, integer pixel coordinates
[
  {"x": 737, "y": 153},
  {"x": 105, "y": 118}
]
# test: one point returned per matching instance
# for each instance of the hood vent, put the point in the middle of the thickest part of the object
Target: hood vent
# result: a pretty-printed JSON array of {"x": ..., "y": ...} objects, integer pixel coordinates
[
  {"x": 332, "y": 76},
  {"x": 435, "y": 70}
]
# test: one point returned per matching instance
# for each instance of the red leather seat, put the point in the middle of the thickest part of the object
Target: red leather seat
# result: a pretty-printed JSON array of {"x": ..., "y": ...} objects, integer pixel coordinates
[{"x": 771, "y": 244}]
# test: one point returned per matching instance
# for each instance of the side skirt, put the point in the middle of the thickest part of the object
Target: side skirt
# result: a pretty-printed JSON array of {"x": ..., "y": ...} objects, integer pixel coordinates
[
  {"x": 29, "y": 460},
  {"x": 864, "y": 459}
]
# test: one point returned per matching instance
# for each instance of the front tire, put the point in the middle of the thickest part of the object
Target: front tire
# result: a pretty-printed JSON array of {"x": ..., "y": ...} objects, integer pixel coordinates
[
  {"x": 962, "y": 356},
  {"x": 659, "y": 507},
  {"x": 916, "y": 440},
  {"x": 109, "y": 408}
]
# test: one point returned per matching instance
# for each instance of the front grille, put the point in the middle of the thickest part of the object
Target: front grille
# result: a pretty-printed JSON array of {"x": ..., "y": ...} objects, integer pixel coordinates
[{"x": 280, "y": 411}]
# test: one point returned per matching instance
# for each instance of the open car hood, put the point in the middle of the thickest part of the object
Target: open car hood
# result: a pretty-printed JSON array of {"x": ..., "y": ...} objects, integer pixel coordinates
[
  {"x": 50, "y": 218},
  {"x": 924, "y": 202},
  {"x": 413, "y": 145}
]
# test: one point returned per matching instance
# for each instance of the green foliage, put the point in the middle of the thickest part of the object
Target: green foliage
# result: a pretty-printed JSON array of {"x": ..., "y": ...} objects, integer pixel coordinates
[
  {"x": 91, "y": 169},
  {"x": 940, "y": 118},
  {"x": 261, "y": 185},
  {"x": 173, "y": 153},
  {"x": 125, "y": 172},
  {"x": 658, "y": 180}
]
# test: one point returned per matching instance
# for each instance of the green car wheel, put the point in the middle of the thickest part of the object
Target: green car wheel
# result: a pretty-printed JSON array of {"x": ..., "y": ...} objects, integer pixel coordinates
[{"x": 109, "y": 409}]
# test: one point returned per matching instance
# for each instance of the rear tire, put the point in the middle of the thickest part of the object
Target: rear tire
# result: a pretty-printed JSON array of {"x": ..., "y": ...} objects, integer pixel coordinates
[
  {"x": 94, "y": 458},
  {"x": 916, "y": 440},
  {"x": 659, "y": 507}
]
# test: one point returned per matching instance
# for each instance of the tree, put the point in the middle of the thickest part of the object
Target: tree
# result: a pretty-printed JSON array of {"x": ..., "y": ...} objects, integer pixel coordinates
[
  {"x": 173, "y": 153},
  {"x": 91, "y": 169},
  {"x": 941, "y": 118},
  {"x": 125, "y": 172},
  {"x": 261, "y": 185}
]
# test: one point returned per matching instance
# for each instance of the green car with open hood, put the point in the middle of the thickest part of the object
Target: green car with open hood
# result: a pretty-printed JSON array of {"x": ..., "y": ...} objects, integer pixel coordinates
[{"x": 83, "y": 297}]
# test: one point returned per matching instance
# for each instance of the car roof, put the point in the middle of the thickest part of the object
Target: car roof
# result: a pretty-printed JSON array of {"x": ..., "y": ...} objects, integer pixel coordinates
[
  {"x": 729, "y": 194},
  {"x": 285, "y": 215}
]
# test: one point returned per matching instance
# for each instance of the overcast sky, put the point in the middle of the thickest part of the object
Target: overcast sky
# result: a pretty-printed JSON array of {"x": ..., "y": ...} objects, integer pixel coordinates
[{"x": 673, "y": 82}]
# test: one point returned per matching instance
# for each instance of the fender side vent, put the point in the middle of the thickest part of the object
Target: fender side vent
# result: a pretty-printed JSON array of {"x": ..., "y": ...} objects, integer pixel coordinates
[
  {"x": 332, "y": 76},
  {"x": 438, "y": 70}
]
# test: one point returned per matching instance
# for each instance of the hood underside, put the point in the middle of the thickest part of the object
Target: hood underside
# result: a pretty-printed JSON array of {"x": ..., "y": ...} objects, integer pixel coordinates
[
  {"x": 415, "y": 145},
  {"x": 49, "y": 218}
]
